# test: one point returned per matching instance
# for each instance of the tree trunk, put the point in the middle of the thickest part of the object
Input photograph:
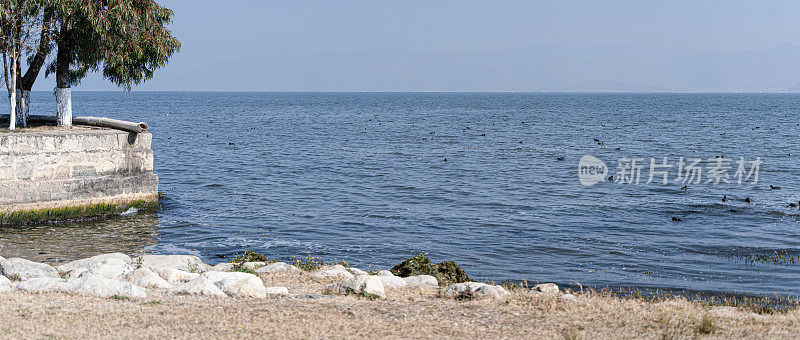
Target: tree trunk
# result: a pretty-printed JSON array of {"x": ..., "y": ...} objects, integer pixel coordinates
[
  {"x": 63, "y": 84},
  {"x": 12, "y": 124},
  {"x": 23, "y": 106},
  {"x": 27, "y": 80}
]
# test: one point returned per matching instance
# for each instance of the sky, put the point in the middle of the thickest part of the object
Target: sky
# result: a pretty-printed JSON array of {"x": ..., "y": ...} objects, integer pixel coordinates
[{"x": 466, "y": 45}]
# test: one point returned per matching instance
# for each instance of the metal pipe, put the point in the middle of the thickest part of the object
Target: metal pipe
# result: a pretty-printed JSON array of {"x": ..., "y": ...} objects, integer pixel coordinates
[
  {"x": 94, "y": 121},
  {"x": 111, "y": 123}
]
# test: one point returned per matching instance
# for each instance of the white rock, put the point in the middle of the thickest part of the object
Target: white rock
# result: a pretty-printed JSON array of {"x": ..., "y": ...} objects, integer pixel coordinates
[
  {"x": 103, "y": 287},
  {"x": 362, "y": 284},
  {"x": 187, "y": 263},
  {"x": 357, "y": 271},
  {"x": 198, "y": 286},
  {"x": 24, "y": 269},
  {"x": 336, "y": 271},
  {"x": 475, "y": 289},
  {"x": 44, "y": 284},
  {"x": 5, "y": 284},
  {"x": 547, "y": 288},
  {"x": 76, "y": 273},
  {"x": 277, "y": 267},
  {"x": 569, "y": 297},
  {"x": 223, "y": 267},
  {"x": 421, "y": 281},
  {"x": 393, "y": 282},
  {"x": 385, "y": 273},
  {"x": 238, "y": 284},
  {"x": 87, "y": 262},
  {"x": 111, "y": 268},
  {"x": 95, "y": 286},
  {"x": 277, "y": 291},
  {"x": 173, "y": 275},
  {"x": 144, "y": 277}
]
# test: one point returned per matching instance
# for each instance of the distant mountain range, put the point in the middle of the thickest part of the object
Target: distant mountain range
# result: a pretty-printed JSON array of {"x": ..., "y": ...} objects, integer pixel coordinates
[{"x": 544, "y": 67}]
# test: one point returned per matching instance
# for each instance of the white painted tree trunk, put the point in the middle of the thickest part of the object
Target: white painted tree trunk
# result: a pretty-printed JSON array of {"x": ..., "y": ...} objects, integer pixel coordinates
[
  {"x": 23, "y": 107},
  {"x": 64, "y": 106},
  {"x": 12, "y": 124}
]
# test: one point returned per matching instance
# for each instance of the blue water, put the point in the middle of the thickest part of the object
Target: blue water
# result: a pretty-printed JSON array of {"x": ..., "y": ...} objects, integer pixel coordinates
[{"x": 363, "y": 177}]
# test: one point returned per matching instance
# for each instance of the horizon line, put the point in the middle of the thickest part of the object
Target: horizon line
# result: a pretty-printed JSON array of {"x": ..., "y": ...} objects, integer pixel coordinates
[{"x": 440, "y": 92}]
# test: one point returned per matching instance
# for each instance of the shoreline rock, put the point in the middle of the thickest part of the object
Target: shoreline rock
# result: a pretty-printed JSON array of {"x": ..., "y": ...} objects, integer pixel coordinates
[
  {"x": 365, "y": 285},
  {"x": 447, "y": 272},
  {"x": 22, "y": 269},
  {"x": 474, "y": 290},
  {"x": 117, "y": 274}
]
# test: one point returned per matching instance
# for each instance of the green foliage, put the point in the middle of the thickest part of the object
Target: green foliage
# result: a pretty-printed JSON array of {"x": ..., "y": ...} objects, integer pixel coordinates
[
  {"x": 510, "y": 285},
  {"x": 126, "y": 39},
  {"x": 309, "y": 263},
  {"x": 120, "y": 297},
  {"x": 251, "y": 256},
  {"x": 193, "y": 267},
  {"x": 362, "y": 294},
  {"x": 240, "y": 267},
  {"x": 248, "y": 256},
  {"x": 447, "y": 272}
]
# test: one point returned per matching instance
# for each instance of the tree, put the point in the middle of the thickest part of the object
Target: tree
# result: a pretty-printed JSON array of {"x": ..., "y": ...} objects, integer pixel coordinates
[
  {"x": 21, "y": 21},
  {"x": 35, "y": 63},
  {"x": 11, "y": 17},
  {"x": 127, "y": 39}
]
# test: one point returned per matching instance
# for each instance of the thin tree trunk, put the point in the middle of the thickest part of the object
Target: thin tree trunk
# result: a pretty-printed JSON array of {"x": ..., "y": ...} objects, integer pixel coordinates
[
  {"x": 63, "y": 84},
  {"x": 23, "y": 106},
  {"x": 12, "y": 125},
  {"x": 27, "y": 80}
]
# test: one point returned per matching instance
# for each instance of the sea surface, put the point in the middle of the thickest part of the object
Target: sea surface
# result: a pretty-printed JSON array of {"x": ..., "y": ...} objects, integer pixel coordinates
[{"x": 374, "y": 178}]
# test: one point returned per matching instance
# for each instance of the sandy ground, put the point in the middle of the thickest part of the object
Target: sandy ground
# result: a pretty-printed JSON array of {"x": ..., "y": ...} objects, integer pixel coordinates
[{"x": 404, "y": 314}]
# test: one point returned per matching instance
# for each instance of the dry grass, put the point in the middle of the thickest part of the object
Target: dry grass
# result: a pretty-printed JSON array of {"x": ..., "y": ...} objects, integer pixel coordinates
[{"x": 405, "y": 314}]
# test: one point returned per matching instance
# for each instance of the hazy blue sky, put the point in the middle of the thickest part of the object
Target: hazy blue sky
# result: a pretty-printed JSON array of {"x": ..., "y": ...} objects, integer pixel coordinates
[{"x": 477, "y": 45}]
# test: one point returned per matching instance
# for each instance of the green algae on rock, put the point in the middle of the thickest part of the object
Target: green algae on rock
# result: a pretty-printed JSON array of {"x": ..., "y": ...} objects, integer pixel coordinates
[
  {"x": 251, "y": 256},
  {"x": 447, "y": 272},
  {"x": 86, "y": 212}
]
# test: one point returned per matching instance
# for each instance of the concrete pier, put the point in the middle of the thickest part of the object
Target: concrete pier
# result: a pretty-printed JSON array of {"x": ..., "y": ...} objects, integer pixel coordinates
[{"x": 63, "y": 168}]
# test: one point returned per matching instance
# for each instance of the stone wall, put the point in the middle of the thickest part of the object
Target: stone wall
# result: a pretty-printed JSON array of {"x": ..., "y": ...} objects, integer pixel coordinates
[{"x": 83, "y": 166}]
